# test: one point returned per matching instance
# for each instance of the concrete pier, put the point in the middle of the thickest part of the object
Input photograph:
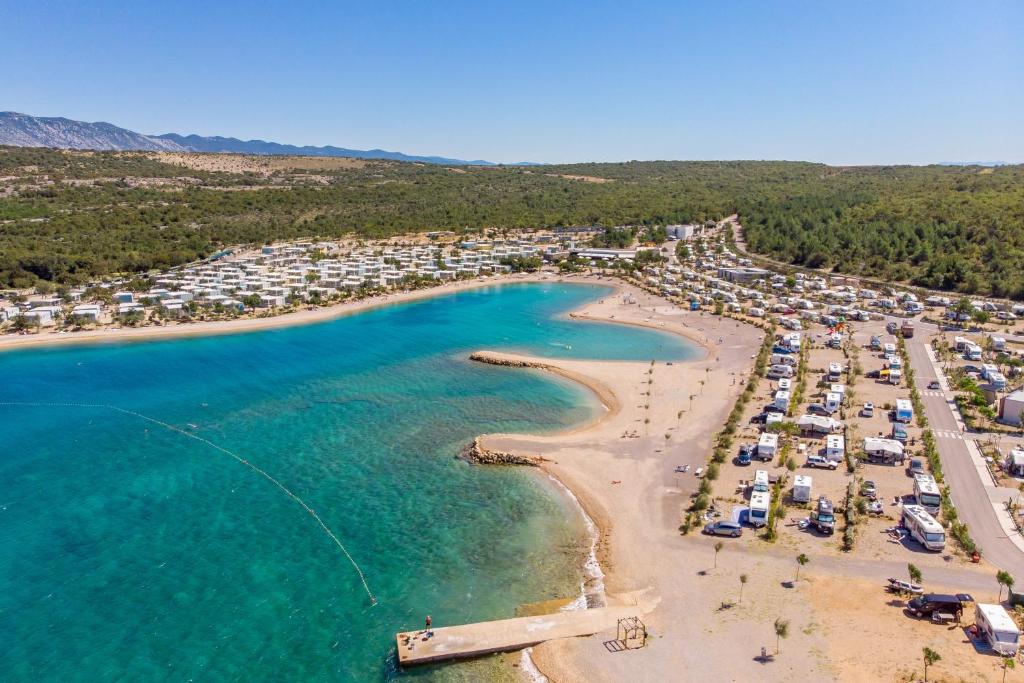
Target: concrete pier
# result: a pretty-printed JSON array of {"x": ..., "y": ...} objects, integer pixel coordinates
[{"x": 470, "y": 640}]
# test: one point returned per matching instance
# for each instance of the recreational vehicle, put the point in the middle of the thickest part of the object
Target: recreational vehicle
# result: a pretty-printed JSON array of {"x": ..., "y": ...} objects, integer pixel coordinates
[
  {"x": 777, "y": 371},
  {"x": 802, "y": 488},
  {"x": 926, "y": 493},
  {"x": 997, "y": 628},
  {"x": 904, "y": 411},
  {"x": 923, "y": 528},
  {"x": 759, "y": 503},
  {"x": 767, "y": 446}
]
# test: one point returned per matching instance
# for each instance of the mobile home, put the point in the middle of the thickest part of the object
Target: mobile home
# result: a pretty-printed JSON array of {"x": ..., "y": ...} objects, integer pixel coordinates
[
  {"x": 767, "y": 446},
  {"x": 997, "y": 628},
  {"x": 835, "y": 371},
  {"x": 759, "y": 503},
  {"x": 904, "y": 410},
  {"x": 923, "y": 528},
  {"x": 926, "y": 493},
  {"x": 781, "y": 401},
  {"x": 835, "y": 447},
  {"x": 802, "y": 488},
  {"x": 777, "y": 371}
]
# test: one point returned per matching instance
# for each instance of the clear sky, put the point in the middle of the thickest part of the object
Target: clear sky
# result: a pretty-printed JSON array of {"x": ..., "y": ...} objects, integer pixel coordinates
[{"x": 855, "y": 82}]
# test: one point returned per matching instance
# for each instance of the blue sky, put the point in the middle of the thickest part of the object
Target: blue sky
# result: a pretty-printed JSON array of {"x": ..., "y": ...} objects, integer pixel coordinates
[{"x": 839, "y": 82}]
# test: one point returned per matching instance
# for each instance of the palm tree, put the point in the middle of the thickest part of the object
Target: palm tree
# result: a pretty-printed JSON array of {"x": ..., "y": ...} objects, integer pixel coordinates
[
  {"x": 702, "y": 386},
  {"x": 692, "y": 396},
  {"x": 1003, "y": 578},
  {"x": 743, "y": 582},
  {"x": 930, "y": 657},
  {"x": 915, "y": 574},
  {"x": 781, "y": 631},
  {"x": 718, "y": 547},
  {"x": 1008, "y": 663},
  {"x": 801, "y": 560}
]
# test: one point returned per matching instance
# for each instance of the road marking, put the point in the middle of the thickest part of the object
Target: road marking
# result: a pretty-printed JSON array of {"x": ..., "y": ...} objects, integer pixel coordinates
[
  {"x": 947, "y": 434},
  {"x": 932, "y": 392}
]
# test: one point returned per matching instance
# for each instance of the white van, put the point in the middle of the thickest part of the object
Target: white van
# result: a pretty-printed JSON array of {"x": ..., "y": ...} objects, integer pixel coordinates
[
  {"x": 761, "y": 481},
  {"x": 998, "y": 629},
  {"x": 923, "y": 528},
  {"x": 777, "y": 371}
]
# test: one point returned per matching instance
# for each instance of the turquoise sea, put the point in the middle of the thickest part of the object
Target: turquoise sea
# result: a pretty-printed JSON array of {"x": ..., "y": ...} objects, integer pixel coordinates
[{"x": 129, "y": 552}]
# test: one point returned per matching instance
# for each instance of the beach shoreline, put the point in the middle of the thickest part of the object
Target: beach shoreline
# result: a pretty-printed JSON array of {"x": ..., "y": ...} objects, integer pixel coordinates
[
  {"x": 312, "y": 316},
  {"x": 615, "y": 466}
]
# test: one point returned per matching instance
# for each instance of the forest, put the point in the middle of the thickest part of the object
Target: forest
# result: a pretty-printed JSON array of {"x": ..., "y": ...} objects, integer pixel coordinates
[{"x": 71, "y": 217}]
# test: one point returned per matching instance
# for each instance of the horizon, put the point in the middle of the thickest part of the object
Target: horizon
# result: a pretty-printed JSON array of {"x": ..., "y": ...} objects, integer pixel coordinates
[{"x": 869, "y": 85}]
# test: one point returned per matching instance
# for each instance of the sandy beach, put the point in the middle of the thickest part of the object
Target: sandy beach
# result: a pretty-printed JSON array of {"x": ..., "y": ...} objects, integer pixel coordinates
[
  {"x": 302, "y": 317},
  {"x": 621, "y": 468}
]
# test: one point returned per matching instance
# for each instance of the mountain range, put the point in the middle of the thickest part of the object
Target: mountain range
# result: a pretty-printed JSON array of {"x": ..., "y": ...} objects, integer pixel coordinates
[{"x": 24, "y": 130}]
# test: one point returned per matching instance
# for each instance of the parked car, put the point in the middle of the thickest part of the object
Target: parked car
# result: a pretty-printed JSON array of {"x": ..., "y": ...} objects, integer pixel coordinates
[
  {"x": 916, "y": 466},
  {"x": 722, "y": 528},
  {"x": 818, "y": 409},
  {"x": 820, "y": 461},
  {"x": 931, "y": 603},
  {"x": 891, "y": 327},
  {"x": 868, "y": 490},
  {"x": 744, "y": 458},
  {"x": 868, "y": 410},
  {"x": 934, "y": 384}
]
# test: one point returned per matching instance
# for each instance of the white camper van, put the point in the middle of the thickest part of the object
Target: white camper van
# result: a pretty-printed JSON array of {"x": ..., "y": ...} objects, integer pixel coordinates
[{"x": 923, "y": 528}]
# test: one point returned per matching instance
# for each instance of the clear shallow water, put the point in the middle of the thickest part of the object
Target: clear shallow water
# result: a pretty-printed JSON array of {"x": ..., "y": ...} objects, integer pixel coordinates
[{"x": 129, "y": 552}]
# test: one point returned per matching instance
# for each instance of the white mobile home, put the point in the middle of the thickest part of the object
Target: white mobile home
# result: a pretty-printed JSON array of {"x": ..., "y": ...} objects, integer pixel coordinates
[
  {"x": 759, "y": 504},
  {"x": 802, "y": 488},
  {"x": 767, "y": 446},
  {"x": 835, "y": 447},
  {"x": 904, "y": 410},
  {"x": 998, "y": 629},
  {"x": 888, "y": 451},
  {"x": 926, "y": 493},
  {"x": 923, "y": 528}
]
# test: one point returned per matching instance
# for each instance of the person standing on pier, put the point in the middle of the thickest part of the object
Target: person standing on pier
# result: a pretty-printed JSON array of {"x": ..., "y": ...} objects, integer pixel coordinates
[{"x": 427, "y": 628}]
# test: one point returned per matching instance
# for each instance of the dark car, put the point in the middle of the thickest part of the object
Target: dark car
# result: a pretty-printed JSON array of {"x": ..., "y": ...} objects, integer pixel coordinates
[
  {"x": 916, "y": 466},
  {"x": 931, "y": 603},
  {"x": 744, "y": 458},
  {"x": 724, "y": 529},
  {"x": 934, "y": 384},
  {"x": 818, "y": 409}
]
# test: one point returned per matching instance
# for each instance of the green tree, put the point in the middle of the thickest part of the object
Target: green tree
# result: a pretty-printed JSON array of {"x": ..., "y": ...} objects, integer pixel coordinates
[
  {"x": 930, "y": 658},
  {"x": 781, "y": 631},
  {"x": 801, "y": 560},
  {"x": 915, "y": 574},
  {"x": 1003, "y": 578}
]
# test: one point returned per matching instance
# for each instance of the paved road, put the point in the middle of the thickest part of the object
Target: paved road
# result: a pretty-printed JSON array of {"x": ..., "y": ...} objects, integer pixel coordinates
[{"x": 966, "y": 487}]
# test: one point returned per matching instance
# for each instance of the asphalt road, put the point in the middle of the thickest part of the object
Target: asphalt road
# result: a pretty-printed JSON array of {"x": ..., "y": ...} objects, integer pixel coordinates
[{"x": 966, "y": 487}]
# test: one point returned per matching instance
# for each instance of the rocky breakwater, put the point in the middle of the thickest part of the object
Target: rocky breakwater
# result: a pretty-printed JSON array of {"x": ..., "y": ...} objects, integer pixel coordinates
[
  {"x": 477, "y": 453},
  {"x": 494, "y": 359}
]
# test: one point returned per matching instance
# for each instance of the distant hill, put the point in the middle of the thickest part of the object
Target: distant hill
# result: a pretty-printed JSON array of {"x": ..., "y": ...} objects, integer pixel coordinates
[{"x": 23, "y": 130}]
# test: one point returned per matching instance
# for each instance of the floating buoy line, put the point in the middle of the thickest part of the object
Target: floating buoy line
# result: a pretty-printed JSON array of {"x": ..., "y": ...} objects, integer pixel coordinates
[{"x": 284, "y": 489}]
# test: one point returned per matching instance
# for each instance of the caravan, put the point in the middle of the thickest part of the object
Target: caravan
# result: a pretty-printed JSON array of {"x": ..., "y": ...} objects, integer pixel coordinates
[
  {"x": 904, "y": 411},
  {"x": 802, "y": 488},
  {"x": 926, "y": 493},
  {"x": 923, "y": 528},
  {"x": 759, "y": 503},
  {"x": 998, "y": 629},
  {"x": 835, "y": 371}
]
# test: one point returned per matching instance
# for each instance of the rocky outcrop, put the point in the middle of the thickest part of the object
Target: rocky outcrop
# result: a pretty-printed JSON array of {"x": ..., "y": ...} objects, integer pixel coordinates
[{"x": 477, "y": 453}]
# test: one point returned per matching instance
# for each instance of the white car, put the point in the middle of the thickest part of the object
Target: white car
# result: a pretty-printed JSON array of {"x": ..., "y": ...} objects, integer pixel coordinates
[{"x": 868, "y": 410}]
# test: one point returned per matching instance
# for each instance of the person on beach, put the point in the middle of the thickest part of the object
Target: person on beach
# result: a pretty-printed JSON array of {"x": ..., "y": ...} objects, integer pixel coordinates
[{"x": 427, "y": 628}]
